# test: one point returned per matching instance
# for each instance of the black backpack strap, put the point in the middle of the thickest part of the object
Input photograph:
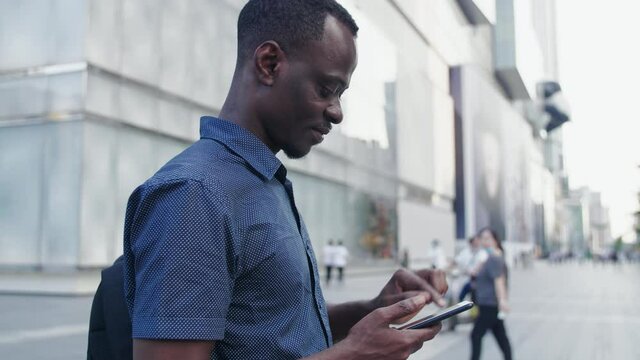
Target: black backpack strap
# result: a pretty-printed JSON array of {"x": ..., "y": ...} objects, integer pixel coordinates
[{"x": 110, "y": 325}]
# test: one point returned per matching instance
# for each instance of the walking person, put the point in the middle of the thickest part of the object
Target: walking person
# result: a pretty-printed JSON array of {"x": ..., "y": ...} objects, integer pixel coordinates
[
  {"x": 436, "y": 256},
  {"x": 340, "y": 258},
  {"x": 491, "y": 297},
  {"x": 470, "y": 261},
  {"x": 328, "y": 256}
]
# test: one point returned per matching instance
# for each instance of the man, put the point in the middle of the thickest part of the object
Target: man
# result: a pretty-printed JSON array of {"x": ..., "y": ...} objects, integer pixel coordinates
[{"x": 218, "y": 262}]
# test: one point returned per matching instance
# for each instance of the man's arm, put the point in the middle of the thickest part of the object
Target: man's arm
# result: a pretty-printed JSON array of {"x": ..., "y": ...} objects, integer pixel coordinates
[
  {"x": 181, "y": 293},
  {"x": 363, "y": 326},
  {"x": 172, "y": 349},
  {"x": 370, "y": 339}
]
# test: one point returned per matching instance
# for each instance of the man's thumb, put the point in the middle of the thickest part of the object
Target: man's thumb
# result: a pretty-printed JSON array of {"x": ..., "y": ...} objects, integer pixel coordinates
[{"x": 403, "y": 308}]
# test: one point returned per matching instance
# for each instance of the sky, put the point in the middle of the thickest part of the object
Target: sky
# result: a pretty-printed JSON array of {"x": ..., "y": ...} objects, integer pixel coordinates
[{"x": 599, "y": 64}]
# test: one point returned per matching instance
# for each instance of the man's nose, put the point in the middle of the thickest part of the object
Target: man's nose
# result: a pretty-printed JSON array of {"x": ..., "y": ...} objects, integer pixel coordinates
[{"x": 334, "y": 113}]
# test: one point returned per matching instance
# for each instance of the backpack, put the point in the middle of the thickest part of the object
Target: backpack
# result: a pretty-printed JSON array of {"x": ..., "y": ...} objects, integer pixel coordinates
[{"x": 109, "y": 324}]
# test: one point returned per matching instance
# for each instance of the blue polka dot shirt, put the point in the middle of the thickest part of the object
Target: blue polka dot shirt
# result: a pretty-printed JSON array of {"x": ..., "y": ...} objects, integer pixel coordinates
[{"x": 216, "y": 250}]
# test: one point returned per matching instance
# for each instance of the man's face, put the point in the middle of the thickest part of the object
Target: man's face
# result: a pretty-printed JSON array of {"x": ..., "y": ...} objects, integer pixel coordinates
[{"x": 305, "y": 99}]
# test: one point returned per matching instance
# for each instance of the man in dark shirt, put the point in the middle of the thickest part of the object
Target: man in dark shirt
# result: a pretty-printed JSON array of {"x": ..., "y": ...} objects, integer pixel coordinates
[{"x": 218, "y": 261}]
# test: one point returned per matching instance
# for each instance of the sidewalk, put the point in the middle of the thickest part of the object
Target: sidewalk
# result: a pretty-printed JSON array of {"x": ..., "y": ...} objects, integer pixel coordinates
[
  {"x": 559, "y": 312},
  {"x": 79, "y": 283},
  {"x": 85, "y": 282}
]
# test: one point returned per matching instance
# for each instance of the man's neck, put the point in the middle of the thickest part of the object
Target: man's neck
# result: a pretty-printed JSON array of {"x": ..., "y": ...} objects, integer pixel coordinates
[{"x": 238, "y": 110}]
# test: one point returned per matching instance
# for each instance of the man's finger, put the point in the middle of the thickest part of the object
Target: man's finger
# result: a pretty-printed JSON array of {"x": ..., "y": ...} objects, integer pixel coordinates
[
  {"x": 408, "y": 280},
  {"x": 402, "y": 309},
  {"x": 426, "y": 334},
  {"x": 406, "y": 295},
  {"x": 392, "y": 299},
  {"x": 437, "y": 279}
]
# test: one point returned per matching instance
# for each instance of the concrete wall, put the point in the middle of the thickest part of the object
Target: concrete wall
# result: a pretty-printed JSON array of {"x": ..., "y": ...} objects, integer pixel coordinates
[{"x": 97, "y": 95}]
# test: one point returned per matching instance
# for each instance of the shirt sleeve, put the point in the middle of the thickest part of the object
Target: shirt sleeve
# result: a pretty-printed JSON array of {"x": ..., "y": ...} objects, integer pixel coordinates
[
  {"x": 180, "y": 256},
  {"x": 495, "y": 267}
]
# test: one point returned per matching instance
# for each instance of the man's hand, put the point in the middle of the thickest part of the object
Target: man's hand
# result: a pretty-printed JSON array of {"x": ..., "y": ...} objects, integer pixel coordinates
[
  {"x": 372, "y": 338},
  {"x": 432, "y": 284},
  {"x": 504, "y": 306}
]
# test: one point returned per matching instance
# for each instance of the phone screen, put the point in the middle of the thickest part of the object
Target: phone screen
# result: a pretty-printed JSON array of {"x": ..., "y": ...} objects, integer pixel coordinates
[{"x": 439, "y": 316}]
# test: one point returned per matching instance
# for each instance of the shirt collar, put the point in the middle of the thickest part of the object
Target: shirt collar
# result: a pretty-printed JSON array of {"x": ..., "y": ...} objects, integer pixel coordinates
[{"x": 242, "y": 142}]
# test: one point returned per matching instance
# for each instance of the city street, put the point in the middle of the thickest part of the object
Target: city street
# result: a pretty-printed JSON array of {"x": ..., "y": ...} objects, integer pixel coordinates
[{"x": 567, "y": 311}]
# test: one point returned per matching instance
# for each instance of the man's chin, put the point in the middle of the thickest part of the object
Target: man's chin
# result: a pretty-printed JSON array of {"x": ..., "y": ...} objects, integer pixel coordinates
[{"x": 292, "y": 153}]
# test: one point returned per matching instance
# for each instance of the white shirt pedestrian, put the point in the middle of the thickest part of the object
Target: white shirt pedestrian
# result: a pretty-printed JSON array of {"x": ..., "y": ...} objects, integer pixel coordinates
[
  {"x": 328, "y": 254},
  {"x": 341, "y": 256},
  {"x": 340, "y": 259}
]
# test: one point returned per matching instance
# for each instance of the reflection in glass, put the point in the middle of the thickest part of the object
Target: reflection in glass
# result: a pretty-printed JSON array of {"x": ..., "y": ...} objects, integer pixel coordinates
[{"x": 366, "y": 223}]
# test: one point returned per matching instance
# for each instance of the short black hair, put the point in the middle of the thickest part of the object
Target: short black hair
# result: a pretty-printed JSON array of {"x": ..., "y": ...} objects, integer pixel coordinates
[{"x": 290, "y": 23}]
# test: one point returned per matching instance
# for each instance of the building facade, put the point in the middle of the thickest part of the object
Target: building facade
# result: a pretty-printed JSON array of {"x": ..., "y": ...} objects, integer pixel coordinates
[
  {"x": 97, "y": 95},
  {"x": 508, "y": 118},
  {"x": 588, "y": 226},
  {"x": 438, "y": 137}
]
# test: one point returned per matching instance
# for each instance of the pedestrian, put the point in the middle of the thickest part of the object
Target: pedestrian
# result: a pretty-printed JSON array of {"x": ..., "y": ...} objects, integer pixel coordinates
[
  {"x": 491, "y": 296},
  {"x": 470, "y": 261},
  {"x": 436, "y": 256},
  {"x": 329, "y": 254},
  {"x": 341, "y": 257},
  {"x": 404, "y": 262},
  {"x": 218, "y": 260}
]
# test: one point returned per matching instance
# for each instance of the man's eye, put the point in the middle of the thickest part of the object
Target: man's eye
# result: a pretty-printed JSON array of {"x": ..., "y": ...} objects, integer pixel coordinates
[{"x": 325, "y": 92}]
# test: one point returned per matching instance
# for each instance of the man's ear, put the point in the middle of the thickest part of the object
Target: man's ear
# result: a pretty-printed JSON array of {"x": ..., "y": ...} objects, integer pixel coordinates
[{"x": 268, "y": 59}]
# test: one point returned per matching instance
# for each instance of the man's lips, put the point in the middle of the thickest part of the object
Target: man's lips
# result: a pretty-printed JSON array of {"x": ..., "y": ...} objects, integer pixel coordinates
[
  {"x": 319, "y": 133},
  {"x": 322, "y": 130}
]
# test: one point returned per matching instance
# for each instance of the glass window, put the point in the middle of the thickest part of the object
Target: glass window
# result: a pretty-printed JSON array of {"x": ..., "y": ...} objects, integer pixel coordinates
[
  {"x": 365, "y": 102},
  {"x": 367, "y": 224},
  {"x": 66, "y": 92},
  {"x": 68, "y": 19},
  {"x": 99, "y": 189},
  {"x": 21, "y": 161},
  {"x": 26, "y": 39},
  {"x": 23, "y": 96},
  {"x": 61, "y": 204}
]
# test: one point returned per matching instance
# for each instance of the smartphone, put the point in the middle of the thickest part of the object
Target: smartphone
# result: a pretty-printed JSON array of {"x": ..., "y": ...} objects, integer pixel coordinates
[{"x": 439, "y": 316}]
